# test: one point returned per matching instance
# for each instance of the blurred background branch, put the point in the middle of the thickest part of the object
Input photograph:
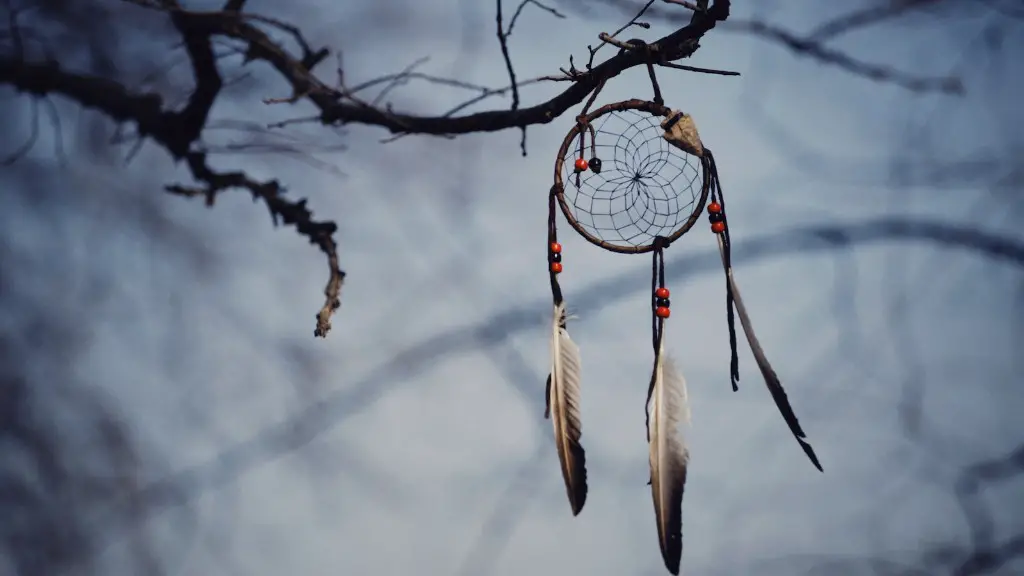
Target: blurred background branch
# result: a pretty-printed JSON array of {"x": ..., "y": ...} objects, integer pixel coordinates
[{"x": 160, "y": 411}]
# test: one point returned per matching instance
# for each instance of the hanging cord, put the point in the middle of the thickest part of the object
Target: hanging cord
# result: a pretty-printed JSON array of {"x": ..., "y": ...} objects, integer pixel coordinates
[
  {"x": 719, "y": 226},
  {"x": 657, "y": 282},
  {"x": 581, "y": 164},
  {"x": 718, "y": 199},
  {"x": 584, "y": 126},
  {"x": 554, "y": 248},
  {"x": 554, "y": 269},
  {"x": 659, "y": 310}
]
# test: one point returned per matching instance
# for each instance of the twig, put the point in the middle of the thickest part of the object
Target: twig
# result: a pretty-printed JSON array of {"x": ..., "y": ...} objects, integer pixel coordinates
[
  {"x": 697, "y": 69},
  {"x": 654, "y": 84},
  {"x": 634, "y": 21},
  {"x": 609, "y": 39},
  {"x": 591, "y": 100},
  {"x": 288, "y": 100},
  {"x": 519, "y": 10},
  {"x": 683, "y": 3},
  {"x": 503, "y": 42}
]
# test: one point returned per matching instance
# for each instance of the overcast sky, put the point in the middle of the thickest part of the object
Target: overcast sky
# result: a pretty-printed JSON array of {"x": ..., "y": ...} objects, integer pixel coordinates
[{"x": 422, "y": 445}]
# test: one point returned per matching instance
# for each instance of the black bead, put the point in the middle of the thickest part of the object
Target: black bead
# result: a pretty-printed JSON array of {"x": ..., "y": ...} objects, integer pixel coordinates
[
  {"x": 595, "y": 165},
  {"x": 715, "y": 217},
  {"x": 556, "y": 257},
  {"x": 663, "y": 303}
]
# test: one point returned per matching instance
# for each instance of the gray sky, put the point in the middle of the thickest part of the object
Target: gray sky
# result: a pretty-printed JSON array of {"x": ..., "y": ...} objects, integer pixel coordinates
[{"x": 427, "y": 451}]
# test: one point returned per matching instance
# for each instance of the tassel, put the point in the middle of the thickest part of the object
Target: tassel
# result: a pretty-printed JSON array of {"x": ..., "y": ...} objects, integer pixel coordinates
[
  {"x": 771, "y": 379},
  {"x": 714, "y": 185},
  {"x": 667, "y": 407},
  {"x": 563, "y": 406},
  {"x": 720, "y": 226}
]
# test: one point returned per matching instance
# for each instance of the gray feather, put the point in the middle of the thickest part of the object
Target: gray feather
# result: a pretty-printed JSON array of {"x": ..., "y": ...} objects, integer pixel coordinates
[
  {"x": 563, "y": 403},
  {"x": 669, "y": 456}
]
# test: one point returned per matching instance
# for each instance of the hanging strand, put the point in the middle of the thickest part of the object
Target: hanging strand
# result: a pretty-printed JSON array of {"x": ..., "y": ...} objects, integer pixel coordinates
[
  {"x": 660, "y": 306},
  {"x": 659, "y": 293},
  {"x": 554, "y": 248},
  {"x": 719, "y": 225}
]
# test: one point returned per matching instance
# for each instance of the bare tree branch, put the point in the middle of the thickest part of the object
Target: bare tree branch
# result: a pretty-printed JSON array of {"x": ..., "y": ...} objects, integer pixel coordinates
[
  {"x": 180, "y": 131},
  {"x": 813, "y": 45}
]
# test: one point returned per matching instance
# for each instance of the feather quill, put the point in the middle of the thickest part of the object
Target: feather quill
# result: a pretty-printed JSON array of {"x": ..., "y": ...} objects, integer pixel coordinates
[
  {"x": 667, "y": 407},
  {"x": 563, "y": 406},
  {"x": 771, "y": 379}
]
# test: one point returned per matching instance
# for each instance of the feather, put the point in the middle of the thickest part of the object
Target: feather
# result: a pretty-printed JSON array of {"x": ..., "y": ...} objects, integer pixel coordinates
[
  {"x": 563, "y": 406},
  {"x": 771, "y": 379},
  {"x": 667, "y": 407}
]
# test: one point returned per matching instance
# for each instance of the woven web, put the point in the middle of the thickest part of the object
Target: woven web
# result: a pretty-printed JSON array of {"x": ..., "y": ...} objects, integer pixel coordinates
[{"x": 646, "y": 187}]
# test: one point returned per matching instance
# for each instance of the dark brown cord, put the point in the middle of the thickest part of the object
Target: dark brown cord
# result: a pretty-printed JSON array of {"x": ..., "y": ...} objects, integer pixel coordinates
[
  {"x": 657, "y": 324},
  {"x": 715, "y": 190},
  {"x": 657, "y": 281},
  {"x": 556, "y": 289}
]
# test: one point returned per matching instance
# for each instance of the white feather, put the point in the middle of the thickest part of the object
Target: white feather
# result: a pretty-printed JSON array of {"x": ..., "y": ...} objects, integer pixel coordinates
[
  {"x": 564, "y": 408},
  {"x": 669, "y": 455}
]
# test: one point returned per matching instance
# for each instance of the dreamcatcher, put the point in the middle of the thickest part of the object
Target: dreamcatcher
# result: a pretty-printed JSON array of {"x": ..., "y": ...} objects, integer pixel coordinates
[{"x": 632, "y": 177}]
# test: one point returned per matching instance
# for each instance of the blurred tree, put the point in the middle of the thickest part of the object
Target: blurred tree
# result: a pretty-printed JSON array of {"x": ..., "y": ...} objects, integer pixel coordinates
[{"x": 116, "y": 66}]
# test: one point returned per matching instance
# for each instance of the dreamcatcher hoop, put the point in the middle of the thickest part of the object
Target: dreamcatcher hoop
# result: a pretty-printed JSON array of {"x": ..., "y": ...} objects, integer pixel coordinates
[{"x": 652, "y": 203}]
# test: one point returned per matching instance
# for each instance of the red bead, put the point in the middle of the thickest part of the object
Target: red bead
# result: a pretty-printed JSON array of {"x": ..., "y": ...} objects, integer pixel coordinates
[
  {"x": 662, "y": 293},
  {"x": 556, "y": 267},
  {"x": 556, "y": 248},
  {"x": 662, "y": 312},
  {"x": 718, "y": 227},
  {"x": 581, "y": 164},
  {"x": 714, "y": 207}
]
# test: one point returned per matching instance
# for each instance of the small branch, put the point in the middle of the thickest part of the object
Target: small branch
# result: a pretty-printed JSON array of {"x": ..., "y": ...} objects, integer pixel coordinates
[
  {"x": 503, "y": 35},
  {"x": 407, "y": 73},
  {"x": 634, "y": 21},
  {"x": 678, "y": 44},
  {"x": 208, "y": 85},
  {"x": 519, "y": 10},
  {"x": 654, "y": 84},
  {"x": 683, "y": 3},
  {"x": 288, "y": 100},
  {"x": 310, "y": 58},
  {"x": 295, "y": 213},
  {"x": 607, "y": 38},
  {"x": 812, "y": 45},
  {"x": 697, "y": 69},
  {"x": 176, "y": 132}
]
